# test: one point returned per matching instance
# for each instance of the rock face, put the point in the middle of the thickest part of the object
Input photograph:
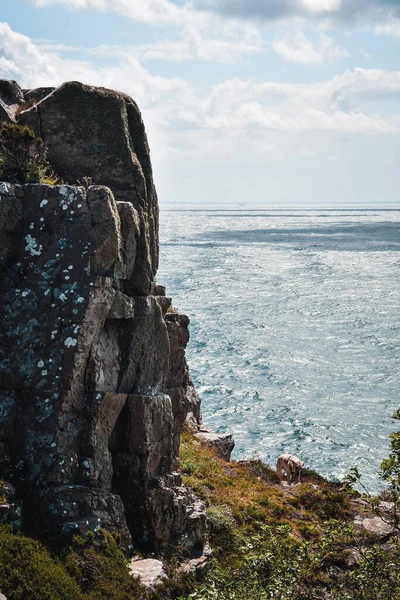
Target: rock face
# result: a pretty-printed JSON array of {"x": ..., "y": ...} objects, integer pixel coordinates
[
  {"x": 99, "y": 133},
  {"x": 94, "y": 383},
  {"x": 223, "y": 443},
  {"x": 11, "y": 96}
]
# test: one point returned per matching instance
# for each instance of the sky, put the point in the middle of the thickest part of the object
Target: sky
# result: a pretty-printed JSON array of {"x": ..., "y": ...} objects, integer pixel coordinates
[{"x": 275, "y": 103}]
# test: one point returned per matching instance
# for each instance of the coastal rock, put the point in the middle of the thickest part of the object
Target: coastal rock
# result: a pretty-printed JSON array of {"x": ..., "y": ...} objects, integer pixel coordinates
[
  {"x": 199, "y": 564},
  {"x": 10, "y": 92},
  {"x": 149, "y": 570},
  {"x": 99, "y": 133},
  {"x": 94, "y": 383},
  {"x": 84, "y": 370},
  {"x": 223, "y": 443},
  {"x": 178, "y": 385},
  {"x": 378, "y": 530}
]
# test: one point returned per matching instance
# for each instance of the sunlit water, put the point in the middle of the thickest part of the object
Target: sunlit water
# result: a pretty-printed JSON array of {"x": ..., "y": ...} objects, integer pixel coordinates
[{"x": 294, "y": 329}]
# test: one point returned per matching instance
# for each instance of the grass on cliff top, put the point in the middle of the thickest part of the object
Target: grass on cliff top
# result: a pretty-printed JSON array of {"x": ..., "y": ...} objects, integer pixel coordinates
[
  {"x": 251, "y": 493},
  {"x": 282, "y": 543}
]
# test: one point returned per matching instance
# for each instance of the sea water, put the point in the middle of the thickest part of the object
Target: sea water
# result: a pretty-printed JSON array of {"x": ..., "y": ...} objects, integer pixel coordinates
[{"x": 294, "y": 329}]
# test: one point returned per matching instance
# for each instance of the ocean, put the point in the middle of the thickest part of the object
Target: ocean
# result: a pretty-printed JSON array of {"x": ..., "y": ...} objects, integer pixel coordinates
[{"x": 294, "y": 329}]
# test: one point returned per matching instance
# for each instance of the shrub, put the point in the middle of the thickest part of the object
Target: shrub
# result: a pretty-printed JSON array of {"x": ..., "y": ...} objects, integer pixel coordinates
[
  {"x": 223, "y": 531},
  {"x": 28, "y": 571},
  {"x": 100, "y": 568},
  {"x": 23, "y": 156}
]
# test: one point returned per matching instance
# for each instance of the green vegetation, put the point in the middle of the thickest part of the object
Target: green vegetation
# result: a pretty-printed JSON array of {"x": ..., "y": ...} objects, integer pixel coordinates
[
  {"x": 270, "y": 542},
  {"x": 91, "y": 569},
  {"x": 290, "y": 543},
  {"x": 23, "y": 156},
  {"x": 28, "y": 571}
]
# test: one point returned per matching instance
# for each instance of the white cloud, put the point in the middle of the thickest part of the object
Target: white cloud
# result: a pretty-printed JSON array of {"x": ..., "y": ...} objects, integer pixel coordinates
[
  {"x": 269, "y": 10},
  {"x": 231, "y": 46},
  {"x": 391, "y": 29},
  {"x": 233, "y": 117},
  {"x": 159, "y": 12},
  {"x": 299, "y": 48}
]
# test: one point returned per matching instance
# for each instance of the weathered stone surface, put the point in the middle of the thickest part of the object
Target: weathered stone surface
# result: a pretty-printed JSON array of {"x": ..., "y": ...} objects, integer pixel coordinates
[
  {"x": 84, "y": 369},
  {"x": 99, "y": 133},
  {"x": 199, "y": 564},
  {"x": 2, "y": 596},
  {"x": 94, "y": 386},
  {"x": 223, "y": 443},
  {"x": 10, "y": 92},
  {"x": 6, "y": 114},
  {"x": 38, "y": 94},
  {"x": 378, "y": 529},
  {"x": 11, "y": 96},
  {"x": 149, "y": 570},
  {"x": 178, "y": 385},
  {"x": 164, "y": 303}
]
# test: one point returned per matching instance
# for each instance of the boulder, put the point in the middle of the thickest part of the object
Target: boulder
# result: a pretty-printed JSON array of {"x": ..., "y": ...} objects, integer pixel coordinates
[
  {"x": 10, "y": 92},
  {"x": 149, "y": 571},
  {"x": 377, "y": 529},
  {"x": 222, "y": 443},
  {"x": 11, "y": 96}
]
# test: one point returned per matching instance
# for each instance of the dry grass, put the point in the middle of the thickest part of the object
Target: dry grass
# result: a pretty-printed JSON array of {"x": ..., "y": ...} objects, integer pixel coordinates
[{"x": 252, "y": 492}]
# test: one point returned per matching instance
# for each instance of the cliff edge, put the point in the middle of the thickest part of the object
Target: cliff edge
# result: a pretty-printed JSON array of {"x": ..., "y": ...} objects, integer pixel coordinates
[{"x": 94, "y": 384}]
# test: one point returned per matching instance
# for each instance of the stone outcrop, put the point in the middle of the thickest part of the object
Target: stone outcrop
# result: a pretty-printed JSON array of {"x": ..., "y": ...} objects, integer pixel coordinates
[
  {"x": 99, "y": 133},
  {"x": 11, "y": 96},
  {"x": 150, "y": 571},
  {"x": 94, "y": 383},
  {"x": 223, "y": 443}
]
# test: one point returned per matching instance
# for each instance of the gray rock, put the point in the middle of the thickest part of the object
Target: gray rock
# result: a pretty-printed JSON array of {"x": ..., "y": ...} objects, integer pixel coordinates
[
  {"x": 94, "y": 382},
  {"x": 223, "y": 443},
  {"x": 7, "y": 113},
  {"x": 11, "y": 96},
  {"x": 2, "y": 597},
  {"x": 378, "y": 530},
  {"x": 199, "y": 564},
  {"x": 84, "y": 369},
  {"x": 38, "y": 94},
  {"x": 149, "y": 570},
  {"x": 99, "y": 133},
  {"x": 10, "y": 92}
]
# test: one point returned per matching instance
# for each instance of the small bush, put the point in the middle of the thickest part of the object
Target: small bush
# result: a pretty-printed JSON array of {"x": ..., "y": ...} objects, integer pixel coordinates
[
  {"x": 223, "y": 530},
  {"x": 23, "y": 156},
  {"x": 28, "y": 572},
  {"x": 100, "y": 568}
]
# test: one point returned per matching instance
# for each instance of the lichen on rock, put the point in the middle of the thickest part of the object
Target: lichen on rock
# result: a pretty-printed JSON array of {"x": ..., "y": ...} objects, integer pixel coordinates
[{"x": 94, "y": 383}]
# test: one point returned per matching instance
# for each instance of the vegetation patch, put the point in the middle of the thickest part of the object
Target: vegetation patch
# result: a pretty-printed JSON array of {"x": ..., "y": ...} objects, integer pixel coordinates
[
  {"x": 23, "y": 156},
  {"x": 288, "y": 543}
]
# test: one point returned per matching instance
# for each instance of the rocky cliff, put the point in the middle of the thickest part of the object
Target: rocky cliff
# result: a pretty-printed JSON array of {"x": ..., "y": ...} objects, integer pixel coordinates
[{"x": 94, "y": 386}]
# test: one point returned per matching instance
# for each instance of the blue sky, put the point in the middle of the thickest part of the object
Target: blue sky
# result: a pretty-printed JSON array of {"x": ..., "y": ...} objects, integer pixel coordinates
[{"x": 267, "y": 102}]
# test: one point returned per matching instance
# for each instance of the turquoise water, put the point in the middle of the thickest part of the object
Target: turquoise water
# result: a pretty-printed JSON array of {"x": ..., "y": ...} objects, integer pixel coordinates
[{"x": 294, "y": 329}]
